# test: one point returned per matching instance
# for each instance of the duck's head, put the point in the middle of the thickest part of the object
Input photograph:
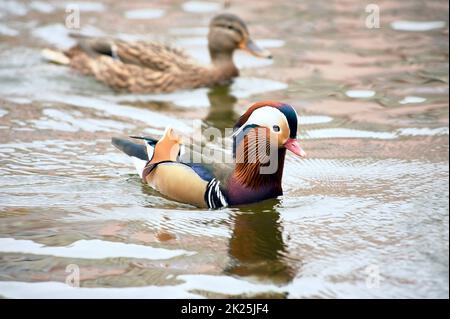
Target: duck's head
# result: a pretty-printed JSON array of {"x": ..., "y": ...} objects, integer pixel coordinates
[
  {"x": 280, "y": 119},
  {"x": 227, "y": 32},
  {"x": 261, "y": 137}
]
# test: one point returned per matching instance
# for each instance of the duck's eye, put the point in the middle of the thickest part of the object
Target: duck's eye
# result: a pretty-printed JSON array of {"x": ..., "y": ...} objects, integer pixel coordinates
[
  {"x": 276, "y": 128},
  {"x": 229, "y": 27}
]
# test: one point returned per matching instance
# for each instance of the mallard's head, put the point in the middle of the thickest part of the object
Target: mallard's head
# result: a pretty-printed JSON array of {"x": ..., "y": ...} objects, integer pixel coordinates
[{"x": 227, "y": 32}]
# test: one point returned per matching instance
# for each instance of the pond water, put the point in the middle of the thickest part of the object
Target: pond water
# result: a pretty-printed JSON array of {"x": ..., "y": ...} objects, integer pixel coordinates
[{"x": 365, "y": 215}]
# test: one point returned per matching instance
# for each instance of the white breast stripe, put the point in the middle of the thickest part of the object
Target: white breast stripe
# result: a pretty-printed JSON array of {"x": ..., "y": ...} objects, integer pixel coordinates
[
  {"x": 214, "y": 196},
  {"x": 210, "y": 201},
  {"x": 223, "y": 200}
]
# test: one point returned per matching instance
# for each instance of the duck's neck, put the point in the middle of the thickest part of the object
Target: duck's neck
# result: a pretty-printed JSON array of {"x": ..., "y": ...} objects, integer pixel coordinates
[
  {"x": 248, "y": 185},
  {"x": 223, "y": 67}
]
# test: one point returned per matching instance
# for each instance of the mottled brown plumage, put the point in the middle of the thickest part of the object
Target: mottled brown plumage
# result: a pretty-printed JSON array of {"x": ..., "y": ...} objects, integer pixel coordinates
[{"x": 141, "y": 67}]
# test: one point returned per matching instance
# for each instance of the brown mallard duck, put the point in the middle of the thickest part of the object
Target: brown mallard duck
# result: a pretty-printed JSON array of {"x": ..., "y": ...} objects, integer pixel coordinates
[{"x": 141, "y": 67}]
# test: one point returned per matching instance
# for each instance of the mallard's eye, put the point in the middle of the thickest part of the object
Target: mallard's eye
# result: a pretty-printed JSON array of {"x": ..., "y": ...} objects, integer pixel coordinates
[
  {"x": 276, "y": 128},
  {"x": 230, "y": 27}
]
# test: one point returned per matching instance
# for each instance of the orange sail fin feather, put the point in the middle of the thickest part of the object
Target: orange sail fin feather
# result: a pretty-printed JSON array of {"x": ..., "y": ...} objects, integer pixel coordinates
[{"x": 167, "y": 148}]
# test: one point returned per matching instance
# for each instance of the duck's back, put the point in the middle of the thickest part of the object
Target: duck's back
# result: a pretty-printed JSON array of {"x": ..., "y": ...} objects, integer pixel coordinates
[{"x": 156, "y": 56}]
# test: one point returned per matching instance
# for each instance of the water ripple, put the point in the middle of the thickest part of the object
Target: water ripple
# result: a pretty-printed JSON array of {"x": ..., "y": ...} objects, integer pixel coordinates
[{"x": 89, "y": 249}]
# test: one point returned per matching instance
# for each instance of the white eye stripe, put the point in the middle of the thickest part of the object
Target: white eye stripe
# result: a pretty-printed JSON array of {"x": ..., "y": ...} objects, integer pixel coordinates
[{"x": 266, "y": 116}]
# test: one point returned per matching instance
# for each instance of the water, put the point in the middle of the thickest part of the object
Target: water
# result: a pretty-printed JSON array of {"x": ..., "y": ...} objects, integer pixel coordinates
[
  {"x": 201, "y": 6},
  {"x": 365, "y": 215},
  {"x": 144, "y": 14}
]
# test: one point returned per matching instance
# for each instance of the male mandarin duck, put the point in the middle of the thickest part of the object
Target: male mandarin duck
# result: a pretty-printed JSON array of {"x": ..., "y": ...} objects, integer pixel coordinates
[
  {"x": 141, "y": 67},
  {"x": 265, "y": 126}
]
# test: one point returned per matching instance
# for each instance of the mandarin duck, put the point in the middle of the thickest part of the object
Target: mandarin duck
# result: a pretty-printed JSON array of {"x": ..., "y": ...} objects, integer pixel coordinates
[
  {"x": 141, "y": 67},
  {"x": 261, "y": 137}
]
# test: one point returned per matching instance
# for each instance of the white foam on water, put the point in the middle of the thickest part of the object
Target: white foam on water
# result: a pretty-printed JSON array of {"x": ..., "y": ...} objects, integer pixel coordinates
[
  {"x": 201, "y": 6},
  {"x": 153, "y": 131},
  {"x": 154, "y": 119},
  {"x": 225, "y": 284},
  {"x": 270, "y": 43},
  {"x": 190, "y": 31},
  {"x": 144, "y": 14},
  {"x": 417, "y": 26},
  {"x": 412, "y": 100},
  {"x": 346, "y": 133},
  {"x": 327, "y": 133},
  {"x": 90, "y": 249},
  {"x": 53, "y": 125},
  {"x": 360, "y": 94},
  {"x": 58, "y": 145},
  {"x": 61, "y": 121},
  {"x": 13, "y": 7},
  {"x": 57, "y": 290},
  {"x": 19, "y": 100},
  {"x": 218, "y": 284},
  {"x": 8, "y": 31},
  {"x": 85, "y": 6},
  {"x": 193, "y": 42},
  {"x": 42, "y": 6},
  {"x": 314, "y": 119}
]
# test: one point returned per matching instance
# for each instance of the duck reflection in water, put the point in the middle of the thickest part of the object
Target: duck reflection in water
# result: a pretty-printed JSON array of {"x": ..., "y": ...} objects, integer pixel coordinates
[
  {"x": 221, "y": 114},
  {"x": 257, "y": 247}
]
